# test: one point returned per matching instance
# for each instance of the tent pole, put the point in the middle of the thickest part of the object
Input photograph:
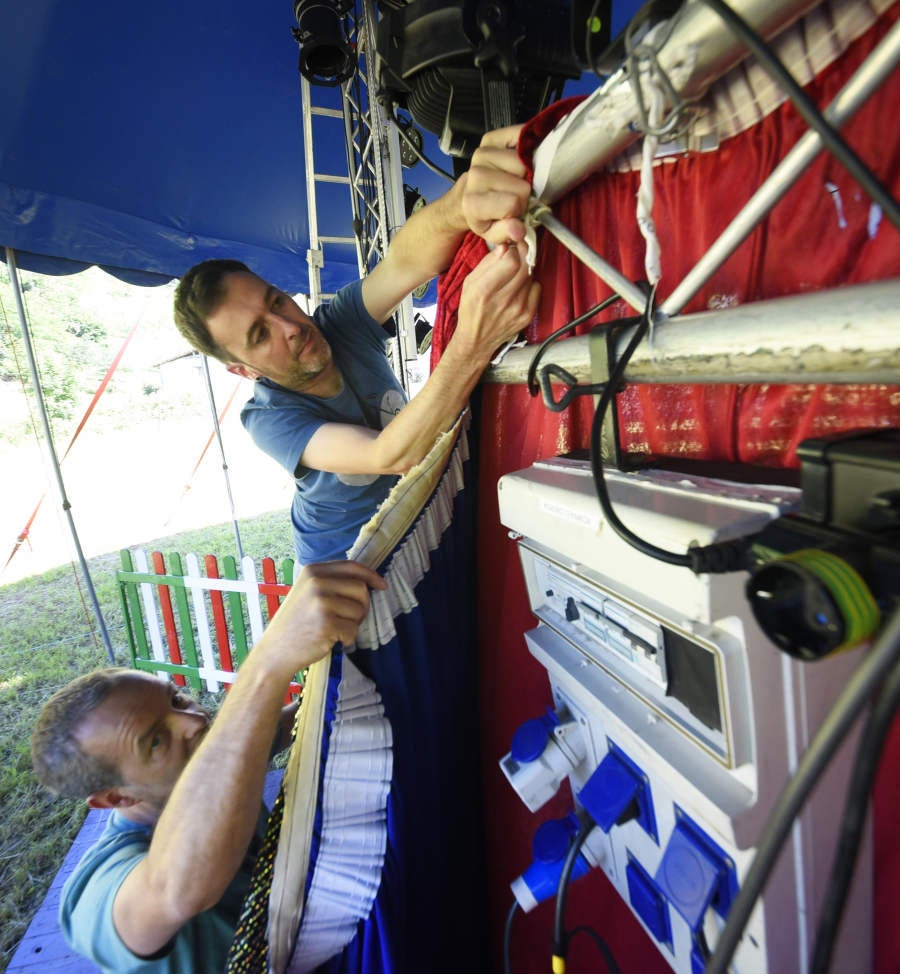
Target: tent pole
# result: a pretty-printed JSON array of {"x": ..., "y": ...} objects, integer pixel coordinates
[
  {"x": 217, "y": 428},
  {"x": 48, "y": 433}
]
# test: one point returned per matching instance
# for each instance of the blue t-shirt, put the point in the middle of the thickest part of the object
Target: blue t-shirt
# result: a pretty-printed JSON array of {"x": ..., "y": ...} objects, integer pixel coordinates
[
  {"x": 329, "y": 509},
  {"x": 86, "y": 910}
]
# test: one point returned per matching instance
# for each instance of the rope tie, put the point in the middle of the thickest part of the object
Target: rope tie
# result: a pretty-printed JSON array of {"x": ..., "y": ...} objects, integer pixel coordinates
[{"x": 656, "y": 105}]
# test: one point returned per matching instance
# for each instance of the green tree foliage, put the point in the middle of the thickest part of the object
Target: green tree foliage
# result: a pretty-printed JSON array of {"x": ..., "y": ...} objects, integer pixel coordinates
[
  {"x": 77, "y": 323},
  {"x": 72, "y": 346}
]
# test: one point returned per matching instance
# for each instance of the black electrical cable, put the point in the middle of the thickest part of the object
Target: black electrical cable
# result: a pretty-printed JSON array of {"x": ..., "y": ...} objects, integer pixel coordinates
[
  {"x": 609, "y": 390},
  {"x": 602, "y": 946},
  {"x": 865, "y": 764},
  {"x": 722, "y": 556},
  {"x": 561, "y": 939},
  {"x": 562, "y": 891},
  {"x": 870, "y": 674},
  {"x": 831, "y": 138},
  {"x": 418, "y": 152},
  {"x": 507, "y": 936},
  {"x": 531, "y": 380}
]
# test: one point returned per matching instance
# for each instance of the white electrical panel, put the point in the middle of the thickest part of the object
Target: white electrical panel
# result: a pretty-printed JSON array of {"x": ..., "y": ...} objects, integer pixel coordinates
[{"x": 676, "y": 690}]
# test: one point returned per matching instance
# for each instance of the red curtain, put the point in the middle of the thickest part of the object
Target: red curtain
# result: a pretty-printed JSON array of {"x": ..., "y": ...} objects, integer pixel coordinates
[{"x": 800, "y": 248}]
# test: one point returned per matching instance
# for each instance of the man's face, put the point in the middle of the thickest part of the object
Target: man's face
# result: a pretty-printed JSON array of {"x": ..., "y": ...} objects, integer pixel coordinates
[
  {"x": 267, "y": 335},
  {"x": 148, "y": 729}
]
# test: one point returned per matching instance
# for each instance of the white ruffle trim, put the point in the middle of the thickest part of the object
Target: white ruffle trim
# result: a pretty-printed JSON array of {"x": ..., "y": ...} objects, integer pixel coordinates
[
  {"x": 412, "y": 560},
  {"x": 357, "y": 780},
  {"x": 305, "y": 931}
]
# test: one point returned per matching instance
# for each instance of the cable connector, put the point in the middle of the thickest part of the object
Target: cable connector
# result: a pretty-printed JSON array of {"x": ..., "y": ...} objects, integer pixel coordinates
[{"x": 723, "y": 556}]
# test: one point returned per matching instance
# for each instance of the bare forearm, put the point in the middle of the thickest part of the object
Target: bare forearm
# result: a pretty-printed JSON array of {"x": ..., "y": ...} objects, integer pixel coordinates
[
  {"x": 498, "y": 301},
  {"x": 429, "y": 239},
  {"x": 422, "y": 248},
  {"x": 207, "y": 824},
  {"x": 410, "y": 435}
]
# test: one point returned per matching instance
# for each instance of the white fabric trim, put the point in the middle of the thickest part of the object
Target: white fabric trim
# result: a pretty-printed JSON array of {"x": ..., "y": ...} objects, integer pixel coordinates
[
  {"x": 353, "y": 838},
  {"x": 412, "y": 560}
]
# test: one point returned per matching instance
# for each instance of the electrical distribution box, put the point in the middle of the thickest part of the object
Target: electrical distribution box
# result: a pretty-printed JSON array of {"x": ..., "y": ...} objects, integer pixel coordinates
[{"x": 677, "y": 721}]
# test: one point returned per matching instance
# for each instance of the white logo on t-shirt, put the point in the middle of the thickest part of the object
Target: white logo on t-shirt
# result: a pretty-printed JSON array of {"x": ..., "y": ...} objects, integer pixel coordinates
[{"x": 391, "y": 403}]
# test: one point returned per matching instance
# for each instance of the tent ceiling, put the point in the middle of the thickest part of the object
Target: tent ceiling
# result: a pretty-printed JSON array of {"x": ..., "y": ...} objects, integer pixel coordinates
[{"x": 145, "y": 138}]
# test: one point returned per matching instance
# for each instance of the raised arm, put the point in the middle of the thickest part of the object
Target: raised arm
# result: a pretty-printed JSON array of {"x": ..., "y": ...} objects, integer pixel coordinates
[
  {"x": 206, "y": 826},
  {"x": 498, "y": 300},
  {"x": 489, "y": 198}
]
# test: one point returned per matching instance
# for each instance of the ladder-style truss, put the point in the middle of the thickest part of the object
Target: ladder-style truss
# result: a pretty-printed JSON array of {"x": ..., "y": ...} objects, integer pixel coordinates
[{"x": 375, "y": 201}]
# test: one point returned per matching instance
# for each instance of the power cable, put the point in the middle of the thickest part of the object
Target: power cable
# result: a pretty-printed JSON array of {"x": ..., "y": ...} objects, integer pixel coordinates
[
  {"x": 722, "y": 556},
  {"x": 871, "y": 673},
  {"x": 601, "y": 945},
  {"x": 808, "y": 111},
  {"x": 865, "y": 764},
  {"x": 531, "y": 380},
  {"x": 561, "y": 938},
  {"x": 434, "y": 167},
  {"x": 507, "y": 936}
]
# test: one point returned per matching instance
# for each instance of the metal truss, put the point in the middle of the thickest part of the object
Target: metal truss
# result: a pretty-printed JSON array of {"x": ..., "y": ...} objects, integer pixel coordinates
[{"x": 373, "y": 178}]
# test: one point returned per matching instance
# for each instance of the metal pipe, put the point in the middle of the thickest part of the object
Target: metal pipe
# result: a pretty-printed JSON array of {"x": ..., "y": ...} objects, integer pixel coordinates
[
  {"x": 48, "y": 434},
  {"x": 700, "y": 50},
  {"x": 876, "y": 69},
  {"x": 843, "y": 335},
  {"x": 218, "y": 431},
  {"x": 627, "y": 290}
]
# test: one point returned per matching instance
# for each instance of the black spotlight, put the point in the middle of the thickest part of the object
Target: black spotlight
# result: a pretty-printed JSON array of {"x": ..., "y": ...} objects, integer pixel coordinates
[{"x": 326, "y": 57}]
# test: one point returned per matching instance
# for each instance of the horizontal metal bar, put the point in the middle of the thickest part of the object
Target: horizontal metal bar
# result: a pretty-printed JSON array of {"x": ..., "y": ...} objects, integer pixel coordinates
[
  {"x": 843, "y": 335},
  {"x": 325, "y": 178}
]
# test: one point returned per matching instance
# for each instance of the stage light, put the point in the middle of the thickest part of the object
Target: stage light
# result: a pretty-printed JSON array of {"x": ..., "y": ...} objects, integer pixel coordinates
[{"x": 326, "y": 57}]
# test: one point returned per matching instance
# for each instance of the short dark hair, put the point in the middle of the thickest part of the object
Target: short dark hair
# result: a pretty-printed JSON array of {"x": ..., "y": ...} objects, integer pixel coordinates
[
  {"x": 197, "y": 296},
  {"x": 58, "y": 761}
]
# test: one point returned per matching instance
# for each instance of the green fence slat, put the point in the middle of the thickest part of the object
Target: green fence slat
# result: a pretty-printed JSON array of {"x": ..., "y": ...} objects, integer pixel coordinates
[
  {"x": 188, "y": 643},
  {"x": 236, "y": 611},
  {"x": 287, "y": 571},
  {"x": 132, "y": 609}
]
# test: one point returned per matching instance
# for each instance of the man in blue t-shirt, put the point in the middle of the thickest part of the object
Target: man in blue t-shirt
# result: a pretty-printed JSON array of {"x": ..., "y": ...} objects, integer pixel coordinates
[
  {"x": 161, "y": 891},
  {"x": 325, "y": 404}
]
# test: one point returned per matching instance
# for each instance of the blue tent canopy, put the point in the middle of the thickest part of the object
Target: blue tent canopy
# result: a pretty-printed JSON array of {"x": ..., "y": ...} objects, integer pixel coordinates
[{"x": 144, "y": 138}]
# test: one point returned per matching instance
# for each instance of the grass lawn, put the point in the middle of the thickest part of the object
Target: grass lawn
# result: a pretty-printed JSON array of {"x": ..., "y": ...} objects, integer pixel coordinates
[{"x": 48, "y": 635}]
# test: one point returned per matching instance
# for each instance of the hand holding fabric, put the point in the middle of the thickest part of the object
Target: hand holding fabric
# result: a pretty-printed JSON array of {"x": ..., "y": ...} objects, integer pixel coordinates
[
  {"x": 325, "y": 606},
  {"x": 496, "y": 188},
  {"x": 499, "y": 299}
]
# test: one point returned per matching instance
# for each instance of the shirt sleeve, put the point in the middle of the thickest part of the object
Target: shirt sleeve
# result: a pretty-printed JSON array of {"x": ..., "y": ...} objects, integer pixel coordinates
[
  {"x": 86, "y": 909},
  {"x": 346, "y": 317},
  {"x": 281, "y": 430},
  {"x": 281, "y": 424}
]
